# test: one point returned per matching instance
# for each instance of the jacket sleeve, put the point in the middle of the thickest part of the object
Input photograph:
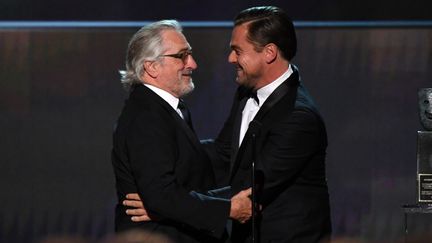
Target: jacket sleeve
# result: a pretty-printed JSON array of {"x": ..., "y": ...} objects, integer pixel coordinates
[{"x": 223, "y": 192}]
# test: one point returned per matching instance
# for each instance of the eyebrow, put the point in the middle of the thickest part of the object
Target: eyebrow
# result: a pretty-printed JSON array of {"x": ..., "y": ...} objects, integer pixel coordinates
[
  {"x": 235, "y": 47},
  {"x": 185, "y": 49}
]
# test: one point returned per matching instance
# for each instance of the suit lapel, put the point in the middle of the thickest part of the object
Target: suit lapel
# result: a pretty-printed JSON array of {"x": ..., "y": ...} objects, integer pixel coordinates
[
  {"x": 236, "y": 130},
  {"x": 185, "y": 128},
  {"x": 190, "y": 134},
  {"x": 287, "y": 88}
]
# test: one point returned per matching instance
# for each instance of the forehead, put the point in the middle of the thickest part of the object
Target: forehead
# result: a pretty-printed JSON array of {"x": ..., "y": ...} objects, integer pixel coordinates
[
  {"x": 174, "y": 40},
  {"x": 239, "y": 33},
  {"x": 239, "y": 38}
]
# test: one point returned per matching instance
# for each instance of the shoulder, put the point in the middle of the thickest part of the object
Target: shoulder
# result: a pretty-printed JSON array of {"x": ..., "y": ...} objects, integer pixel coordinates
[
  {"x": 304, "y": 115},
  {"x": 144, "y": 114}
]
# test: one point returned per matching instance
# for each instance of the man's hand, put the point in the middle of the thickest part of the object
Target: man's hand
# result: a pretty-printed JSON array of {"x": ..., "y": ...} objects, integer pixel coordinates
[
  {"x": 241, "y": 206},
  {"x": 139, "y": 214}
]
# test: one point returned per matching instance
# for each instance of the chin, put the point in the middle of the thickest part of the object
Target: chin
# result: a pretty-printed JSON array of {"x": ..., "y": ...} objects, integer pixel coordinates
[
  {"x": 240, "y": 81},
  {"x": 245, "y": 83},
  {"x": 187, "y": 89},
  {"x": 191, "y": 85}
]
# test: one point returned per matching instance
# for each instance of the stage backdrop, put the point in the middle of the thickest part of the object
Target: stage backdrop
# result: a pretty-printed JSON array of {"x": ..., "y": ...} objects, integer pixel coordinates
[
  {"x": 60, "y": 96},
  {"x": 199, "y": 10}
]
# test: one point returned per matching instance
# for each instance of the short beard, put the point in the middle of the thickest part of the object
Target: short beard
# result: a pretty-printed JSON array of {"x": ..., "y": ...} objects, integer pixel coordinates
[
  {"x": 187, "y": 89},
  {"x": 247, "y": 81}
]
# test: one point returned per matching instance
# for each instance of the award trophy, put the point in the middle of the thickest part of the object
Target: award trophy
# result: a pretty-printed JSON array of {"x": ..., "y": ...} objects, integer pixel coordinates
[
  {"x": 424, "y": 165},
  {"x": 424, "y": 148}
]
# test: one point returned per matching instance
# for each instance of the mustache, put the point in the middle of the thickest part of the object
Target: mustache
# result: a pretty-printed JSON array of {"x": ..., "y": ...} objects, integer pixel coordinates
[{"x": 187, "y": 72}]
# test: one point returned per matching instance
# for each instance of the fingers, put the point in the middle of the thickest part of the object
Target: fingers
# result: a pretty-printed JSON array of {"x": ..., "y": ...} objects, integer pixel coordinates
[
  {"x": 140, "y": 218},
  {"x": 133, "y": 203},
  {"x": 138, "y": 215},
  {"x": 244, "y": 193},
  {"x": 247, "y": 192},
  {"x": 136, "y": 212},
  {"x": 244, "y": 218},
  {"x": 133, "y": 196},
  {"x": 242, "y": 206}
]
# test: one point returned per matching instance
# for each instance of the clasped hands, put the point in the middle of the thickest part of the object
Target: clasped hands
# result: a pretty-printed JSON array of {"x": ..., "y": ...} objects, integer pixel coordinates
[{"x": 241, "y": 207}]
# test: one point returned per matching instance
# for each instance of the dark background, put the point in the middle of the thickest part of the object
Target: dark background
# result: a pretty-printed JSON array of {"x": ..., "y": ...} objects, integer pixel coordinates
[
  {"x": 60, "y": 96},
  {"x": 211, "y": 10}
]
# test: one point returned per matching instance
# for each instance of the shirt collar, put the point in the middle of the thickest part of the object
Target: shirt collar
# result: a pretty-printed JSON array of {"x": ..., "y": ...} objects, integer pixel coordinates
[
  {"x": 264, "y": 92},
  {"x": 169, "y": 98}
]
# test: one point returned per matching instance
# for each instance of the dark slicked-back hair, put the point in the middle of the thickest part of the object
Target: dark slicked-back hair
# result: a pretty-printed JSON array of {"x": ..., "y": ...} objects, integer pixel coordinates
[{"x": 269, "y": 24}]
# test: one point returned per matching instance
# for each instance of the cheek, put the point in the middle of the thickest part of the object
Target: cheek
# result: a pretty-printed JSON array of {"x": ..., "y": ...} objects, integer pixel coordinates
[
  {"x": 249, "y": 63},
  {"x": 180, "y": 71},
  {"x": 243, "y": 62}
]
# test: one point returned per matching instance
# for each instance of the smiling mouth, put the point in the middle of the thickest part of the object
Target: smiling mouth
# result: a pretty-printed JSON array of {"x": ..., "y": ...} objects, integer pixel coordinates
[{"x": 428, "y": 115}]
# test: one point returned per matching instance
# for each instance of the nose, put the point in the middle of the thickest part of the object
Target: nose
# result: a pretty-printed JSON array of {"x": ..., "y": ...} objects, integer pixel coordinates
[
  {"x": 232, "y": 58},
  {"x": 191, "y": 64}
]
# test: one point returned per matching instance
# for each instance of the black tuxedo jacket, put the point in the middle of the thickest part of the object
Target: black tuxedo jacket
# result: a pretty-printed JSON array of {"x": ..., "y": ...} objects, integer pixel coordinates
[
  {"x": 157, "y": 155},
  {"x": 290, "y": 150}
]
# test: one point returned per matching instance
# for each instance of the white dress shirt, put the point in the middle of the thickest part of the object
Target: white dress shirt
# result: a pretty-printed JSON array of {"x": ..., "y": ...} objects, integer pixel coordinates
[
  {"x": 252, "y": 107},
  {"x": 169, "y": 98}
]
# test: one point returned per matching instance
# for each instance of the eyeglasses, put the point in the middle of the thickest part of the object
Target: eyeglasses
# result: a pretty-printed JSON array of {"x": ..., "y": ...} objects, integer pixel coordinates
[{"x": 183, "y": 55}]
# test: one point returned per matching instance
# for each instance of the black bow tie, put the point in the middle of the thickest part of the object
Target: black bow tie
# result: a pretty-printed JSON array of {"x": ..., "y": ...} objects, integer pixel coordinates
[
  {"x": 253, "y": 94},
  {"x": 186, "y": 113}
]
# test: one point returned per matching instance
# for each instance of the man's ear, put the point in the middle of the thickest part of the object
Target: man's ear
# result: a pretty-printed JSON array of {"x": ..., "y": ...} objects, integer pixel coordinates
[
  {"x": 271, "y": 51},
  {"x": 151, "y": 68}
]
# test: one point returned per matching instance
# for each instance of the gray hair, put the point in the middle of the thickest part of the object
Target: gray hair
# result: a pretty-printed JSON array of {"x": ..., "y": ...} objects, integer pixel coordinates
[{"x": 145, "y": 45}]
